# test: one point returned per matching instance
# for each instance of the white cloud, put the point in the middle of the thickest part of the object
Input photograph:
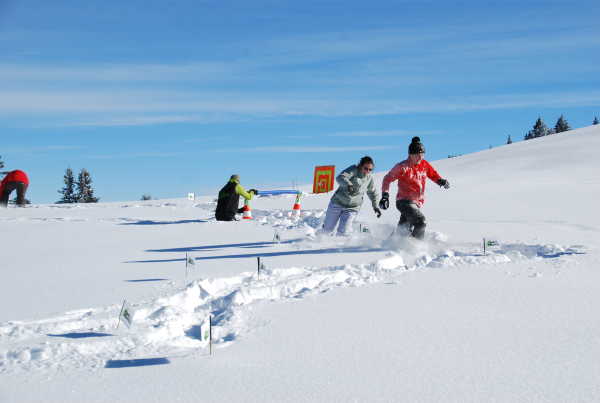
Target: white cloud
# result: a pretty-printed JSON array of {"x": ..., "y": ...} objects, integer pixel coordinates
[
  {"x": 135, "y": 121},
  {"x": 40, "y": 149},
  {"x": 144, "y": 107},
  {"x": 132, "y": 73},
  {"x": 136, "y": 155},
  {"x": 383, "y": 133},
  {"x": 308, "y": 149}
]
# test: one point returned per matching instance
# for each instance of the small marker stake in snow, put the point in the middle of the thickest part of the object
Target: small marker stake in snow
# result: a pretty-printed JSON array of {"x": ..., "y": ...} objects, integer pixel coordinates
[
  {"x": 260, "y": 267},
  {"x": 206, "y": 332},
  {"x": 126, "y": 314},
  {"x": 488, "y": 243},
  {"x": 189, "y": 261}
]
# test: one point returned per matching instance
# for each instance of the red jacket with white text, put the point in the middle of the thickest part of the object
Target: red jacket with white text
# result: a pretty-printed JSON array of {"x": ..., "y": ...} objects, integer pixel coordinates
[{"x": 411, "y": 180}]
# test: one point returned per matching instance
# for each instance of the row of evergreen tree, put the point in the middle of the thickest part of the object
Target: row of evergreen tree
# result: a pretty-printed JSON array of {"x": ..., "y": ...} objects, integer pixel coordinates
[
  {"x": 79, "y": 191},
  {"x": 540, "y": 129}
]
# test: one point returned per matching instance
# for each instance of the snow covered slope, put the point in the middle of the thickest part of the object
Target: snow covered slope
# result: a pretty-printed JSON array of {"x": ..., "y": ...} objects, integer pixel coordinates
[{"x": 367, "y": 318}]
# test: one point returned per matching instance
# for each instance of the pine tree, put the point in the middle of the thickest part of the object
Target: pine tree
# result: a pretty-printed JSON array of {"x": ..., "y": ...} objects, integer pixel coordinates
[
  {"x": 509, "y": 140},
  {"x": 85, "y": 193},
  {"x": 561, "y": 125},
  {"x": 539, "y": 129},
  {"x": 594, "y": 123},
  {"x": 1, "y": 163},
  {"x": 68, "y": 192}
]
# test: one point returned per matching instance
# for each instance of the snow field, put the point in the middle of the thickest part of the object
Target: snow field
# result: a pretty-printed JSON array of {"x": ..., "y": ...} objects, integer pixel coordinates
[
  {"x": 169, "y": 325},
  {"x": 365, "y": 318}
]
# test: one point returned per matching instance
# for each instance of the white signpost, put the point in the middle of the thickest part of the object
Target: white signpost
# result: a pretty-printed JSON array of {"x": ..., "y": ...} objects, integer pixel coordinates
[
  {"x": 488, "y": 243},
  {"x": 126, "y": 314},
  {"x": 189, "y": 262},
  {"x": 206, "y": 332},
  {"x": 260, "y": 267}
]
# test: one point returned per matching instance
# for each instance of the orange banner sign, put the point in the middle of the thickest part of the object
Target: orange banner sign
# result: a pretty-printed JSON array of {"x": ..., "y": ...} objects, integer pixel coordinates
[{"x": 324, "y": 178}]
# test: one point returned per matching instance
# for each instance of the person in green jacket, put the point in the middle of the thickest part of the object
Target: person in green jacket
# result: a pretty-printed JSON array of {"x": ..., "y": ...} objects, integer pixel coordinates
[
  {"x": 353, "y": 182},
  {"x": 229, "y": 199}
]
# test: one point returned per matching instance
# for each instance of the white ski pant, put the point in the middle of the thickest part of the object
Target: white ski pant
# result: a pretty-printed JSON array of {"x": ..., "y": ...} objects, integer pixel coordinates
[{"x": 336, "y": 213}]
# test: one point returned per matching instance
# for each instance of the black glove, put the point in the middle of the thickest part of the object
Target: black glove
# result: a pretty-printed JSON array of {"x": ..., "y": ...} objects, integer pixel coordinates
[
  {"x": 377, "y": 212},
  {"x": 240, "y": 210},
  {"x": 444, "y": 183},
  {"x": 384, "y": 203},
  {"x": 351, "y": 190},
  {"x": 253, "y": 191}
]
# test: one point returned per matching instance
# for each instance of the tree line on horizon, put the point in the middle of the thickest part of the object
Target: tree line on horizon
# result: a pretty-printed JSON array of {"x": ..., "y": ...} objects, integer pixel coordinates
[
  {"x": 79, "y": 191},
  {"x": 540, "y": 129}
]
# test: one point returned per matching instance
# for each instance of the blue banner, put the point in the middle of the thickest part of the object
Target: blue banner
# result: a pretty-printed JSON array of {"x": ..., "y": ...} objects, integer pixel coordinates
[{"x": 277, "y": 192}]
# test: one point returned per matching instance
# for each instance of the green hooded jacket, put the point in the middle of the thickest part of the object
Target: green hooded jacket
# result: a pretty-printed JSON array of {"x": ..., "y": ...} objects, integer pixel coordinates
[
  {"x": 239, "y": 189},
  {"x": 229, "y": 198}
]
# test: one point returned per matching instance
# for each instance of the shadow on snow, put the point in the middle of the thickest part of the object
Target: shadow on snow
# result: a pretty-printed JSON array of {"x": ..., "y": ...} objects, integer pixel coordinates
[
  {"x": 140, "y": 362},
  {"x": 150, "y": 222},
  {"x": 230, "y": 245},
  {"x": 271, "y": 254},
  {"x": 82, "y": 335}
]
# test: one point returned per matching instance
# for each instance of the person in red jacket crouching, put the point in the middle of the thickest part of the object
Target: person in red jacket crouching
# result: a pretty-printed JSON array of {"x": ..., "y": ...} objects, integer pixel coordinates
[
  {"x": 14, "y": 180},
  {"x": 411, "y": 175}
]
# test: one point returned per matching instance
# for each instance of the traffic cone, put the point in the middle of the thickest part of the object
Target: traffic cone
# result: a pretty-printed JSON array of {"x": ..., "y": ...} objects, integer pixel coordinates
[
  {"x": 247, "y": 212},
  {"x": 296, "y": 208}
]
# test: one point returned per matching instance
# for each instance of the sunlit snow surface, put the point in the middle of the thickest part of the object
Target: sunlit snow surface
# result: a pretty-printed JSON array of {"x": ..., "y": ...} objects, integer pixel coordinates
[
  {"x": 327, "y": 318},
  {"x": 169, "y": 324}
]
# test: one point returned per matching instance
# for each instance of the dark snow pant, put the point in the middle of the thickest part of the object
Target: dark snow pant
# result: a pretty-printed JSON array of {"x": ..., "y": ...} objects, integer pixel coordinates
[
  {"x": 411, "y": 218},
  {"x": 20, "y": 187}
]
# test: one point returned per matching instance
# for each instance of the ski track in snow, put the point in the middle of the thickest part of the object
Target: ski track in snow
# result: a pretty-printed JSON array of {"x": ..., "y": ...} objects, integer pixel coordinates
[{"x": 170, "y": 325}]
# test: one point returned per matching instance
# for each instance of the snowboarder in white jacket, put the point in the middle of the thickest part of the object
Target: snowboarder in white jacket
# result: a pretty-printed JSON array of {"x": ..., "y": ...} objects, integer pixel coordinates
[{"x": 354, "y": 182}]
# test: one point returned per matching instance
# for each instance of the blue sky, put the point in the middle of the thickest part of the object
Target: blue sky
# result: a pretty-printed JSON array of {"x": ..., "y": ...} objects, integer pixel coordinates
[{"x": 165, "y": 98}]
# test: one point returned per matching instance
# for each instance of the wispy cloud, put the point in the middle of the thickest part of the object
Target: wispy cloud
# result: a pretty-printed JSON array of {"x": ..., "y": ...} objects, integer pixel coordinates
[
  {"x": 381, "y": 56},
  {"x": 299, "y": 136},
  {"x": 40, "y": 149},
  {"x": 136, "y": 121},
  {"x": 107, "y": 109},
  {"x": 136, "y": 155},
  {"x": 328, "y": 74},
  {"x": 383, "y": 133},
  {"x": 133, "y": 73},
  {"x": 308, "y": 149}
]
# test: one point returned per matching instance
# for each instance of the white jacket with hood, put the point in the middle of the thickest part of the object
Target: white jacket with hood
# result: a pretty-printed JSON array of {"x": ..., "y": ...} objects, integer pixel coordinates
[{"x": 361, "y": 182}]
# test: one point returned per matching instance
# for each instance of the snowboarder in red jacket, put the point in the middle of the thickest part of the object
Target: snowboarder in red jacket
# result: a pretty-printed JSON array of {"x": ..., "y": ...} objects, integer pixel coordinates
[
  {"x": 14, "y": 180},
  {"x": 411, "y": 175}
]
